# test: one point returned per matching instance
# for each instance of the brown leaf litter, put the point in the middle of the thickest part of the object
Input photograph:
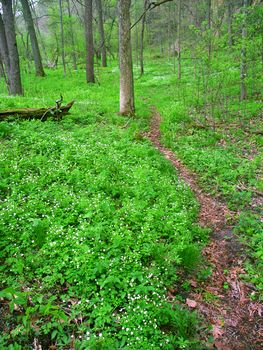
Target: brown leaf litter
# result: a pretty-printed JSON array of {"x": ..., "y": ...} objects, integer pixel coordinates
[{"x": 224, "y": 300}]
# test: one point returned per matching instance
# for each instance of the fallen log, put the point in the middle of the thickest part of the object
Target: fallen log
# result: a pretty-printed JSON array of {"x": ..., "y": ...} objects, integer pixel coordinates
[{"x": 37, "y": 113}]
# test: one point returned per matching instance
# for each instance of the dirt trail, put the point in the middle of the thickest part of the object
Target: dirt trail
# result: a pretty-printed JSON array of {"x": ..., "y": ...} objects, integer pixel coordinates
[{"x": 223, "y": 299}]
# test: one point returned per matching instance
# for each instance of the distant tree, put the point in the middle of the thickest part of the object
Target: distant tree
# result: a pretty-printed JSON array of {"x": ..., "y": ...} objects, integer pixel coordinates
[
  {"x": 102, "y": 34},
  {"x": 33, "y": 38},
  {"x": 243, "y": 66},
  {"x": 146, "y": 4},
  {"x": 125, "y": 57},
  {"x": 179, "y": 24},
  {"x": 62, "y": 36},
  {"x": 229, "y": 23},
  {"x": 89, "y": 42},
  {"x": 8, "y": 42},
  {"x": 38, "y": 30},
  {"x": 71, "y": 37},
  {"x": 209, "y": 21}
]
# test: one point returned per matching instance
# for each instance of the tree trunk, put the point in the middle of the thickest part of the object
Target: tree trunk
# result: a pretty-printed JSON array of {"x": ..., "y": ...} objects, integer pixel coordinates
[
  {"x": 243, "y": 66},
  {"x": 102, "y": 34},
  {"x": 62, "y": 37},
  {"x": 89, "y": 42},
  {"x": 14, "y": 77},
  {"x": 37, "y": 113},
  {"x": 41, "y": 41},
  {"x": 125, "y": 57},
  {"x": 229, "y": 24},
  {"x": 209, "y": 28},
  {"x": 142, "y": 38},
  {"x": 2, "y": 70},
  {"x": 4, "y": 51},
  {"x": 71, "y": 34},
  {"x": 179, "y": 37},
  {"x": 33, "y": 38}
]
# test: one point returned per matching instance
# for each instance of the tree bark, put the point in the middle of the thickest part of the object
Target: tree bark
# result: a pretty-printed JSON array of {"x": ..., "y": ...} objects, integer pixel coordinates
[
  {"x": 33, "y": 38},
  {"x": 2, "y": 72},
  {"x": 89, "y": 42},
  {"x": 4, "y": 51},
  {"x": 37, "y": 113},
  {"x": 243, "y": 66},
  {"x": 71, "y": 34},
  {"x": 102, "y": 34},
  {"x": 14, "y": 77},
  {"x": 62, "y": 37},
  {"x": 125, "y": 56}
]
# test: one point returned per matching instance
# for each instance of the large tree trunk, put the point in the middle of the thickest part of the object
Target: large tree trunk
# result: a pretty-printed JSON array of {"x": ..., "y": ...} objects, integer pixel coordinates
[
  {"x": 4, "y": 51},
  {"x": 102, "y": 34},
  {"x": 125, "y": 57},
  {"x": 89, "y": 42},
  {"x": 62, "y": 37},
  {"x": 243, "y": 66},
  {"x": 73, "y": 53},
  {"x": 14, "y": 70},
  {"x": 33, "y": 38},
  {"x": 2, "y": 72}
]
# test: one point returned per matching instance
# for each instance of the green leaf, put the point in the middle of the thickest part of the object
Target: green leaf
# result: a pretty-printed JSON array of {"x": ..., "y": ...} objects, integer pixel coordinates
[{"x": 54, "y": 333}]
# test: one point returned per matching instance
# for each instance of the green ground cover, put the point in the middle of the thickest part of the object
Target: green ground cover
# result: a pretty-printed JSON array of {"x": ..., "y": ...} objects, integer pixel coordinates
[
  {"x": 217, "y": 137},
  {"x": 95, "y": 225}
]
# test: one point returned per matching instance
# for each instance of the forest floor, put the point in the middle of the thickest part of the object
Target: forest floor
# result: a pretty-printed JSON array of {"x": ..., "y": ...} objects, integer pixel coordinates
[
  {"x": 223, "y": 299},
  {"x": 100, "y": 239}
]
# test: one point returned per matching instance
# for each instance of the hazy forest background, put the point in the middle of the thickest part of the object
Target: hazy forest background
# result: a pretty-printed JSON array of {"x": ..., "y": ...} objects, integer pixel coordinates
[{"x": 135, "y": 220}]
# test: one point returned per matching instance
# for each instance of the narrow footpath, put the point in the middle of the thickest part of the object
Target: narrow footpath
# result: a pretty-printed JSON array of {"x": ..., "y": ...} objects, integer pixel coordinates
[{"x": 236, "y": 320}]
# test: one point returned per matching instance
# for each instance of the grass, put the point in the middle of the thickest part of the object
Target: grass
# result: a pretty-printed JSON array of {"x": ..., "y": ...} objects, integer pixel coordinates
[{"x": 94, "y": 226}]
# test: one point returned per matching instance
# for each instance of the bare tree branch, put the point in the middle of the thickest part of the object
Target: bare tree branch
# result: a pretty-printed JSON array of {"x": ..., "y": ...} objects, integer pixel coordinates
[{"x": 151, "y": 6}]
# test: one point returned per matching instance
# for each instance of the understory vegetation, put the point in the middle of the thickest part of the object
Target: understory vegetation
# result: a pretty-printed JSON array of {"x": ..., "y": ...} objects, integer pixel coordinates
[
  {"x": 219, "y": 138},
  {"x": 95, "y": 225}
]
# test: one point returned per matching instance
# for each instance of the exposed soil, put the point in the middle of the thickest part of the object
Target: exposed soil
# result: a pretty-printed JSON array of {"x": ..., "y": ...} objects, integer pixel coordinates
[{"x": 223, "y": 299}]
